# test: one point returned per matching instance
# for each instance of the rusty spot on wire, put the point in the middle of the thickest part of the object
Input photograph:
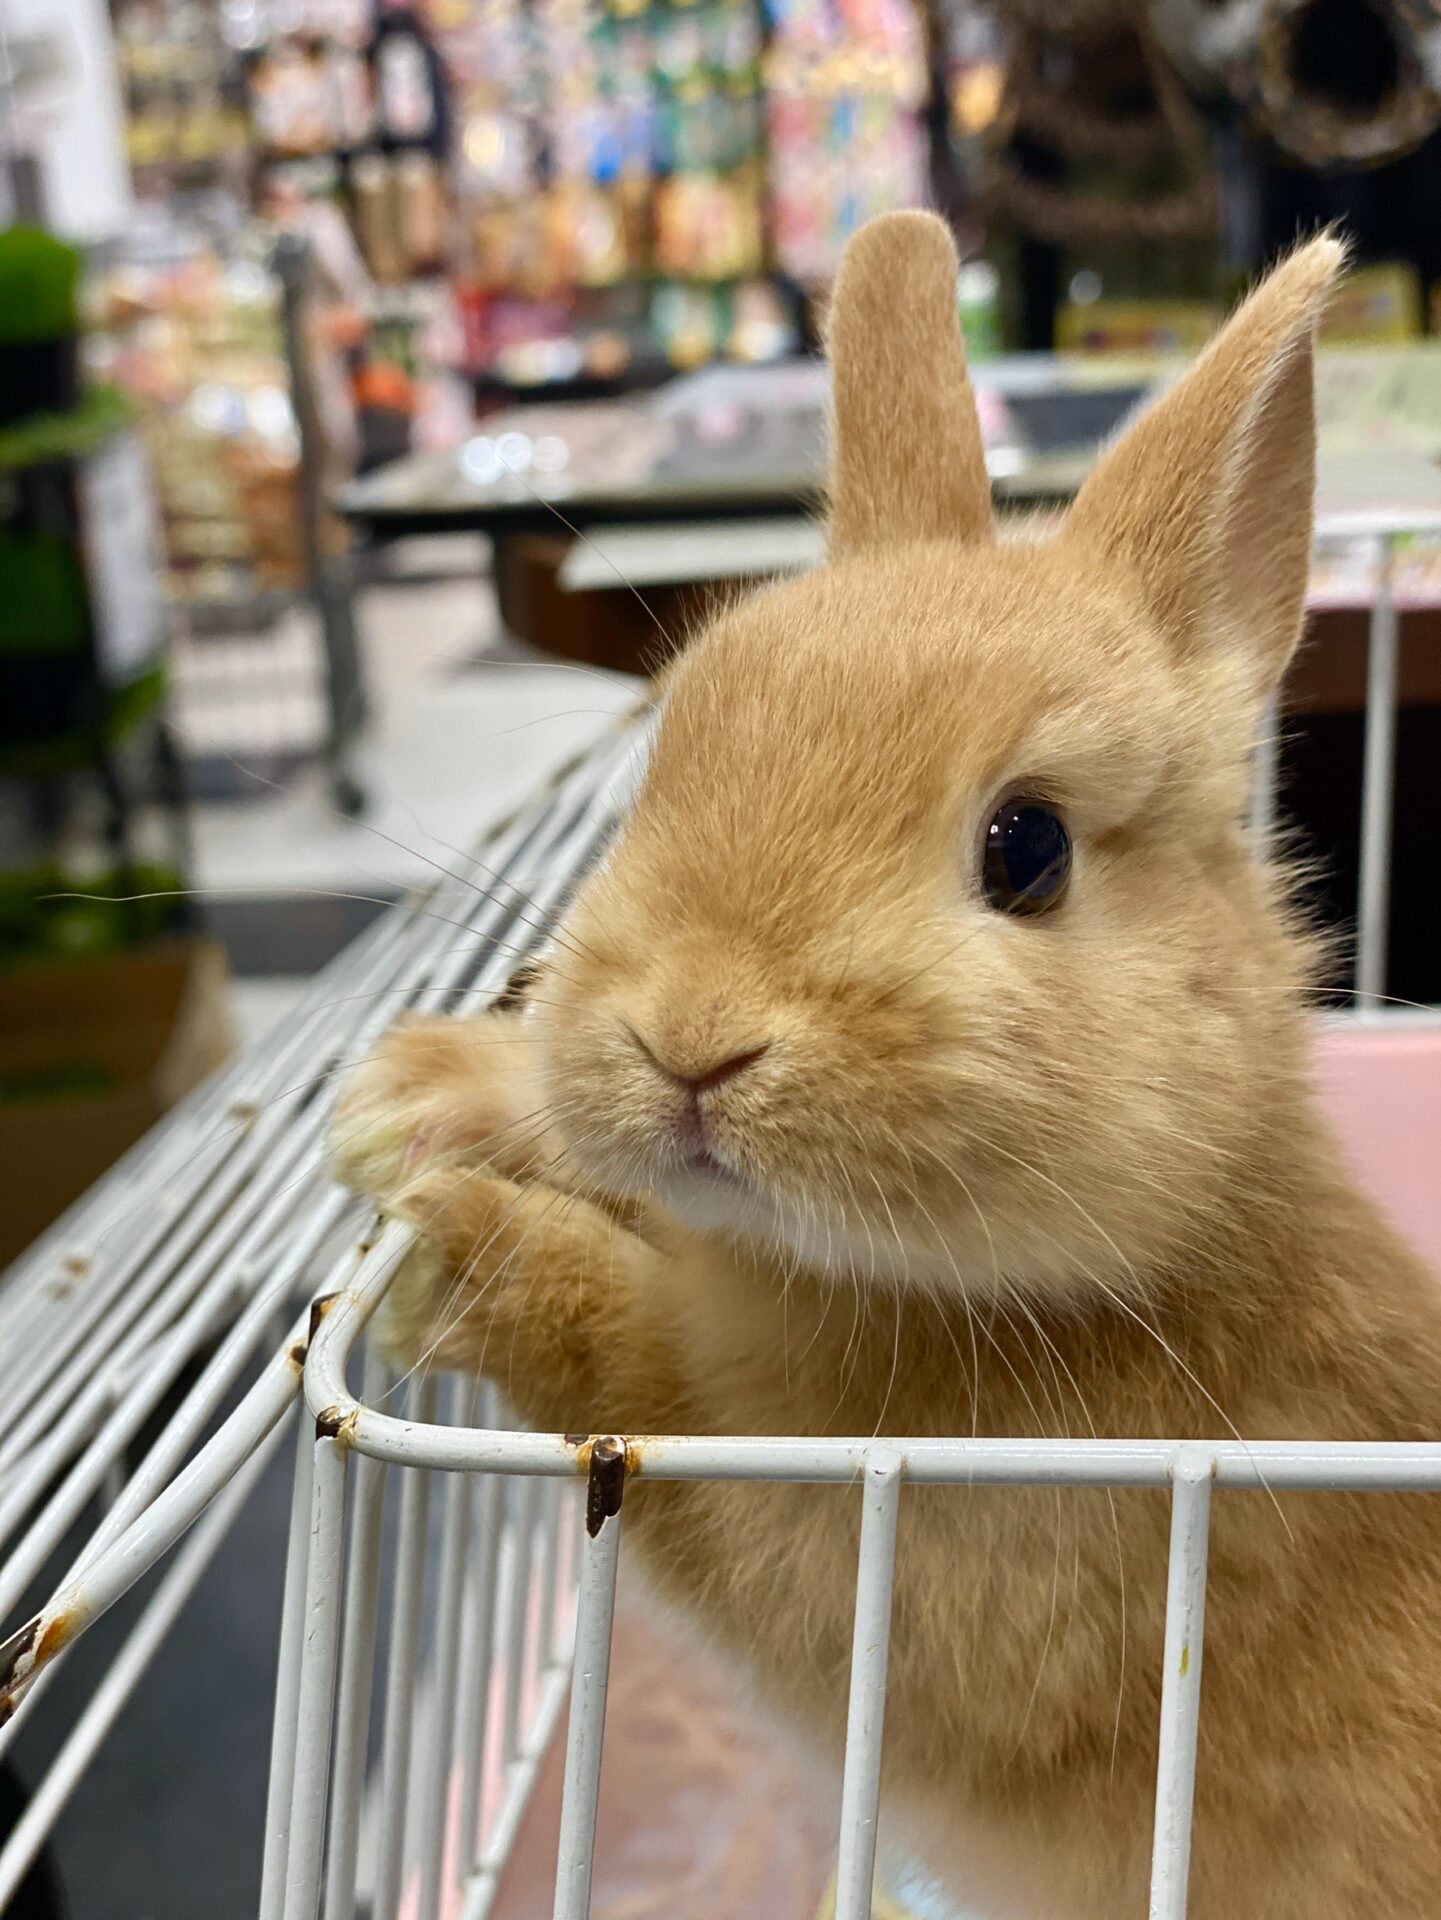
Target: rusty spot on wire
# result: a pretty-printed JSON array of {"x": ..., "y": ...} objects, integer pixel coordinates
[
  {"x": 28, "y": 1649},
  {"x": 319, "y": 1307},
  {"x": 332, "y": 1424},
  {"x": 15, "y": 1649},
  {"x": 58, "y": 1634},
  {"x": 74, "y": 1268},
  {"x": 605, "y": 1483}
]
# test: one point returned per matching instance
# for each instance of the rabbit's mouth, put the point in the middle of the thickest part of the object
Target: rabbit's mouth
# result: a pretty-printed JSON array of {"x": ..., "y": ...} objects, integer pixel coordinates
[
  {"x": 712, "y": 1195},
  {"x": 702, "y": 1167},
  {"x": 703, "y": 1161}
]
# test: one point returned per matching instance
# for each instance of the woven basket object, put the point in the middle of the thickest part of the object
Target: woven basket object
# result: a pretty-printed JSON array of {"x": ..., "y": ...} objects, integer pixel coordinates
[
  {"x": 1348, "y": 83},
  {"x": 1069, "y": 113}
]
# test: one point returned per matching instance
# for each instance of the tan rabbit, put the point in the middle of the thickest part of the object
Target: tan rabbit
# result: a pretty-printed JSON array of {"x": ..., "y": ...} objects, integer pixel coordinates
[{"x": 928, "y": 1057}]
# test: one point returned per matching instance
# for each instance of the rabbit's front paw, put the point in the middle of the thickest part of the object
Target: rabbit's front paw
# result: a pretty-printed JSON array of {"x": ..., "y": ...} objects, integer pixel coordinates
[
  {"x": 471, "y": 1270},
  {"x": 519, "y": 1280},
  {"x": 412, "y": 1314},
  {"x": 435, "y": 1092}
]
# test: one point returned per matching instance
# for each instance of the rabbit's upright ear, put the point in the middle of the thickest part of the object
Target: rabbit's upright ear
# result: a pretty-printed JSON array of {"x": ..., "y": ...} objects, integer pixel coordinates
[
  {"x": 907, "y": 461},
  {"x": 1207, "y": 500}
]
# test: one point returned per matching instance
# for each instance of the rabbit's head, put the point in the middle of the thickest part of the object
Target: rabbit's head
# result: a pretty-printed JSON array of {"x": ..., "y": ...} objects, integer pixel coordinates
[{"x": 934, "y": 946}]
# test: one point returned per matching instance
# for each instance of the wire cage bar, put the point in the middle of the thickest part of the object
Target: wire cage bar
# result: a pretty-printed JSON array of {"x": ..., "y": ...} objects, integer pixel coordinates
[
  {"x": 865, "y": 1719},
  {"x": 1378, "y": 777},
  {"x": 594, "y": 1624},
  {"x": 424, "y": 1668},
  {"x": 1181, "y": 1683}
]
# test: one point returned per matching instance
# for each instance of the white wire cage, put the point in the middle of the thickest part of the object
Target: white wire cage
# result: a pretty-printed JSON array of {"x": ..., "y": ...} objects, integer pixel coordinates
[{"x": 417, "y": 1698}]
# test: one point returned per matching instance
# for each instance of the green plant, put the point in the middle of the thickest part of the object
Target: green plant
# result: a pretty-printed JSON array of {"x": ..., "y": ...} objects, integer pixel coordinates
[{"x": 39, "y": 282}]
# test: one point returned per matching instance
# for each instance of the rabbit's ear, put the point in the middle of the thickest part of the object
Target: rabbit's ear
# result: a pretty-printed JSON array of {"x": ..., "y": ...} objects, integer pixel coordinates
[
  {"x": 907, "y": 461},
  {"x": 1208, "y": 498}
]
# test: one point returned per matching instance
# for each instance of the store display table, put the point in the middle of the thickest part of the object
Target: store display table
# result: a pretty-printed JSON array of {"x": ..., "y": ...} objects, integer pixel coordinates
[{"x": 730, "y": 441}]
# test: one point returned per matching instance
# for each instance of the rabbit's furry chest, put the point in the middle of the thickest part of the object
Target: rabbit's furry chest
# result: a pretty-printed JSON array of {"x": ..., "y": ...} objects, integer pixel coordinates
[{"x": 1028, "y": 1623}]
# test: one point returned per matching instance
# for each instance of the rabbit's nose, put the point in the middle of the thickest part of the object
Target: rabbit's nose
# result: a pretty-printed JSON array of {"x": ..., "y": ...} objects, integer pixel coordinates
[{"x": 700, "y": 1079}]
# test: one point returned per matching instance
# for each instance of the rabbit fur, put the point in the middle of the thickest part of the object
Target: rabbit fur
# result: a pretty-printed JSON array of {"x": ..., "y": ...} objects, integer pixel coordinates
[{"x": 976, "y": 1172}]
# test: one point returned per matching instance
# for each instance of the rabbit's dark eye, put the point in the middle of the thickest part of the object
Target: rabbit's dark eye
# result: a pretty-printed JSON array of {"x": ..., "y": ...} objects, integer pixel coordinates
[{"x": 1027, "y": 860}]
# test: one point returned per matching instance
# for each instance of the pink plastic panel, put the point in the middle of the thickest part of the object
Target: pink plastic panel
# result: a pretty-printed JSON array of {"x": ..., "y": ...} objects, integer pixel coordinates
[{"x": 1382, "y": 1088}]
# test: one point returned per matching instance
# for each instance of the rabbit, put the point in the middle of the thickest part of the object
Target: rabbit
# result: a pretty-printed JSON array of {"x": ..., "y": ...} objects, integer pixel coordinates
[{"x": 929, "y": 1055}]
